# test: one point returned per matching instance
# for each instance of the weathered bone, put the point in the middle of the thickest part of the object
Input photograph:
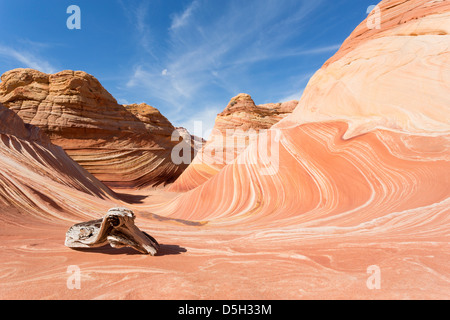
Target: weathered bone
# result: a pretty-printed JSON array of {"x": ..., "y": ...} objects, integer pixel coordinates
[{"x": 116, "y": 228}]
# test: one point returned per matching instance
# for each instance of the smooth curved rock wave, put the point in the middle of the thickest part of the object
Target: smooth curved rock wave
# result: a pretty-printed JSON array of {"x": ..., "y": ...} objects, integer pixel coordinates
[
  {"x": 396, "y": 77},
  {"x": 325, "y": 180}
]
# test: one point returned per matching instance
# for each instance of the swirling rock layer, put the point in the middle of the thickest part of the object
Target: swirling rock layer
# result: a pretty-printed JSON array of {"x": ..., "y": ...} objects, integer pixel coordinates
[
  {"x": 368, "y": 139},
  {"x": 234, "y": 129},
  {"x": 39, "y": 177},
  {"x": 123, "y": 146}
]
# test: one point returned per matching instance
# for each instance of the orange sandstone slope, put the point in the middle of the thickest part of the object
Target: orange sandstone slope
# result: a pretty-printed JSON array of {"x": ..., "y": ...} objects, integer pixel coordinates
[
  {"x": 123, "y": 146},
  {"x": 233, "y": 130},
  {"x": 395, "y": 77},
  {"x": 40, "y": 179},
  {"x": 366, "y": 151}
]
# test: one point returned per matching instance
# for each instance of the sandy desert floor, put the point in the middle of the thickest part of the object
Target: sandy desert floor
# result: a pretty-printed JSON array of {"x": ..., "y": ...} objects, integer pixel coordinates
[{"x": 218, "y": 262}]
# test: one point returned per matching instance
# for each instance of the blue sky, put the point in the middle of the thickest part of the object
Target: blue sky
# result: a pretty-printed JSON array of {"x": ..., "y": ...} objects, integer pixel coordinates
[{"x": 187, "y": 58}]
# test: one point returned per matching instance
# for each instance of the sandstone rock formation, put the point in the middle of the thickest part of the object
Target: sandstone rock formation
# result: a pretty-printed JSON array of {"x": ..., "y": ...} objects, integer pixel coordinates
[
  {"x": 123, "y": 146},
  {"x": 234, "y": 129},
  {"x": 395, "y": 77},
  {"x": 368, "y": 140},
  {"x": 39, "y": 177}
]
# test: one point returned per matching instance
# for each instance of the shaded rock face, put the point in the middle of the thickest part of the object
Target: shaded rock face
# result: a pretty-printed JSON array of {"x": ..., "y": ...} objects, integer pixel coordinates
[
  {"x": 123, "y": 146},
  {"x": 235, "y": 128},
  {"x": 12, "y": 124},
  {"x": 37, "y": 176}
]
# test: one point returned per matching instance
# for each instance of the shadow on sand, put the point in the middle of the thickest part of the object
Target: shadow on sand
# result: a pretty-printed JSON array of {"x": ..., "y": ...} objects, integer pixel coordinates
[
  {"x": 130, "y": 198},
  {"x": 164, "y": 250}
]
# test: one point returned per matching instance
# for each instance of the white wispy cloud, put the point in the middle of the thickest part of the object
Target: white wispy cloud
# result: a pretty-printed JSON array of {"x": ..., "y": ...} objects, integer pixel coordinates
[
  {"x": 181, "y": 19},
  {"x": 296, "y": 95},
  {"x": 26, "y": 59},
  {"x": 161, "y": 85},
  {"x": 201, "y": 54},
  {"x": 205, "y": 54},
  {"x": 288, "y": 53},
  {"x": 137, "y": 14}
]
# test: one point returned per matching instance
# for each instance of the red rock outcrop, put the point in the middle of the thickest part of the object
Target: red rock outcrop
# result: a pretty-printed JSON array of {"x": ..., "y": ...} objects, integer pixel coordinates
[
  {"x": 123, "y": 146},
  {"x": 240, "y": 122},
  {"x": 38, "y": 177}
]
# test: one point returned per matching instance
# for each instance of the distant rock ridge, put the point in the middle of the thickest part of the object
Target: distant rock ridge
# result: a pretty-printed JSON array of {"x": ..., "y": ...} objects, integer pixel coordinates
[
  {"x": 244, "y": 103},
  {"x": 197, "y": 143},
  {"x": 241, "y": 120},
  {"x": 123, "y": 146},
  {"x": 242, "y": 113}
]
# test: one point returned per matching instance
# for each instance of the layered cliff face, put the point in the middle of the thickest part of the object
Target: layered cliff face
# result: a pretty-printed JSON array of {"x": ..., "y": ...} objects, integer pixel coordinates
[
  {"x": 239, "y": 124},
  {"x": 123, "y": 146},
  {"x": 39, "y": 178}
]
